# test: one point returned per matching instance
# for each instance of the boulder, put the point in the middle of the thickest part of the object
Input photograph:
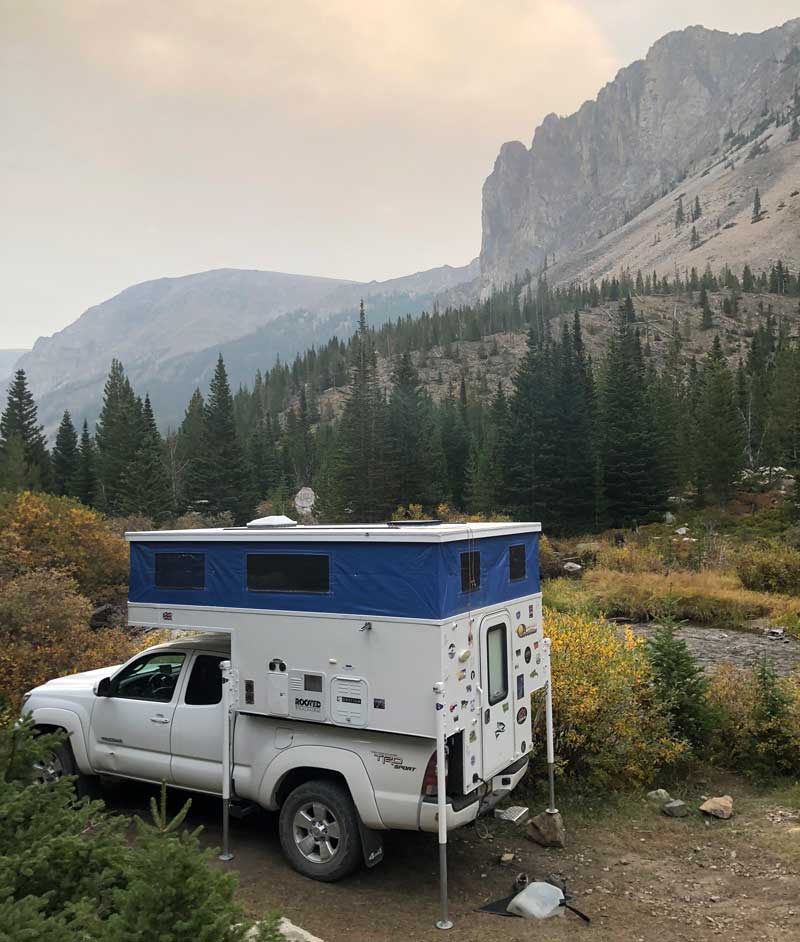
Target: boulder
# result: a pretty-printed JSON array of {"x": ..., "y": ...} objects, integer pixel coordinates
[
  {"x": 721, "y": 807},
  {"x": 547, "y": 829},
  {"x": 572, "y": 567},
  {"x": 659, "y": 796},
  {"x": 675, "y": 808}
]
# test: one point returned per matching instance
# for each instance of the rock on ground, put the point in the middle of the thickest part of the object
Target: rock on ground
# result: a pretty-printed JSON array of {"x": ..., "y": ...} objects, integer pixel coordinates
[
  {"x": 547, "y": 829},
  {"x": 659, "y": 796},
  {"x": 676, "y": 808},
  {"x": 721, "y": 807}
]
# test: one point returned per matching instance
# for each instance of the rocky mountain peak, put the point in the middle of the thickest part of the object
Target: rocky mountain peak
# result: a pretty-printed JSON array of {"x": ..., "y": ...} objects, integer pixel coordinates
[{"x": 658, "y": 121}]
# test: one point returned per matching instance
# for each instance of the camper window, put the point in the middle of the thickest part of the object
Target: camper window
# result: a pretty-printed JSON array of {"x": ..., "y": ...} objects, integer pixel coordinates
[
  {"x": 470, "y": 571},
  {"x": 497, "y": 663},
  {"x": 288, "y": 572},
  {"x": 180, "y": 570},
  {"x": 516, "y": 563}
]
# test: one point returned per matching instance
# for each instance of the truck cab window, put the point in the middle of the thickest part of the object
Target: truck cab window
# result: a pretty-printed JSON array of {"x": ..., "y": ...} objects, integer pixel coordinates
[
  {"x": 497, "y": 663},
  {"x": 205, "y": 681},
  {"x": 153, "y": 677}
]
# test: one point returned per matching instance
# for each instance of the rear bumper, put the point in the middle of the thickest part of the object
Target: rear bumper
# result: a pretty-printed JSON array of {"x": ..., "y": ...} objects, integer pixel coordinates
[{"x": 463, "y": 811}]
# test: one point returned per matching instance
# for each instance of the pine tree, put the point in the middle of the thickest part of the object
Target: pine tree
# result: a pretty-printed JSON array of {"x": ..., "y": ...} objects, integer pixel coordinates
[
  {"x": 680, "y": 216},
  {"x": 19, "y": 420},
  {"x": 84, "y": 483},
  {"x": 697, "y": 211},
  {"x": 147, "y": 489},
  {"x": 680, "y": 684},
  {"x": 221, "y": 475},
  {"x": 720, "y": 451},
  {"x": 189, "y": 451},
  {"x": 707, "y": 321},
  {"x": 15, "y": 473},
  {"x": 694, "y": 239},
  {"x": 117, "y": 438},
  {"x": 65, "y": 456},
  {"x": 756, "y": 206},
  {"x": 794, "y": 130},
  {"x": 406, "y": 449},
  {"x": 361, "y": 468},
  {"x": 634, "y": 485},
  {"x": 263, "y": 458}
]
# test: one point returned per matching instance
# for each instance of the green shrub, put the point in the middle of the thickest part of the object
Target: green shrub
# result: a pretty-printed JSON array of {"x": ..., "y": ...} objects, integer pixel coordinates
[
  {"x": 758, "y": 720},
  {"x": 769, "y": 568},
  {"x": 680, "y": 684},
  {"x": 68, "y": 872}
]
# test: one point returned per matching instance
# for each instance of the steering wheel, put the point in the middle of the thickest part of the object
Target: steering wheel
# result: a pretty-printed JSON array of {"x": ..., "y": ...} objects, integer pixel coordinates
[{"x": 160, "y": 686}]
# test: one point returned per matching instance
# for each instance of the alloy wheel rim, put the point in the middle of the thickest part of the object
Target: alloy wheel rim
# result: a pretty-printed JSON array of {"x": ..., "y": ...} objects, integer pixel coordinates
[
  {"x": 48, "y": 769},
  {"x": 316, "y": 832}
]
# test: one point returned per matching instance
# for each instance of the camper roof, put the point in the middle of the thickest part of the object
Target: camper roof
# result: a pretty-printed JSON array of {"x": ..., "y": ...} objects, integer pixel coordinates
[{"x": 400, "y": 532}]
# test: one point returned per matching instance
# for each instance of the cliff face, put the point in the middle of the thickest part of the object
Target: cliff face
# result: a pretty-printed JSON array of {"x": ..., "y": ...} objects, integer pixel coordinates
[{"x": 661, "y": 120}]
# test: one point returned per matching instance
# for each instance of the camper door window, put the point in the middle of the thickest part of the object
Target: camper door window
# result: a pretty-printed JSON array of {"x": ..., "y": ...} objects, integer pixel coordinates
[{"x": 497, "y": 663}]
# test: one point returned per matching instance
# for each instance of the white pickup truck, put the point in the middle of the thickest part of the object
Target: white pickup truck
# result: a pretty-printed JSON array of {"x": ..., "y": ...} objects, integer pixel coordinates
[{"x": 159, "y": 718}]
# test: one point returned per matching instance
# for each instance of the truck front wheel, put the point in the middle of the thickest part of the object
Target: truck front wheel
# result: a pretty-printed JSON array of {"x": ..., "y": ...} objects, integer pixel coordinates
[{"x": 319, "y": 831}]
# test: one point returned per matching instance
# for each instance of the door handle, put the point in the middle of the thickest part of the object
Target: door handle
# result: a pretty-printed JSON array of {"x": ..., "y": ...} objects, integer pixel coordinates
[{"x": 162, "y": 720}]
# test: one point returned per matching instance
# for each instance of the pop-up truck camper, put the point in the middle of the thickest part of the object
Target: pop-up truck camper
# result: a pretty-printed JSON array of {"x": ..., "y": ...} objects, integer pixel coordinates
[{"x": 356, "y": 655}]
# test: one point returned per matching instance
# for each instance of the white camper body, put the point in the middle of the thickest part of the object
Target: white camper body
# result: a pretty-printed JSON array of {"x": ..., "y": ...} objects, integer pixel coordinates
[{"x": 377, "y": 672}]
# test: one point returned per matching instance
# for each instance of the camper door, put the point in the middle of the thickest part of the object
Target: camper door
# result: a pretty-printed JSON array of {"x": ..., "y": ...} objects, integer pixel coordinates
[{"x": 497, "y": 717}]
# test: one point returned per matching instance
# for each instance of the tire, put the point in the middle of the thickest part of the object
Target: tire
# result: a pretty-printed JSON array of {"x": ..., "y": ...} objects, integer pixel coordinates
[
  {"x": 59, "y": 762},
  {"x": 319, "y": 831}
]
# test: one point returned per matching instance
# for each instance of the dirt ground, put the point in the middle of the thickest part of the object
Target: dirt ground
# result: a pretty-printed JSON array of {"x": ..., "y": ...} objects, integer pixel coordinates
[{"x": 640, "y": 876}]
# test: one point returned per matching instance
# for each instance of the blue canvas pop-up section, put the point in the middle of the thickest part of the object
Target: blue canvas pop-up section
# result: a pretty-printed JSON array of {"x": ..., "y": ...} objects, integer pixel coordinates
[{"x": 400, "y": 580}]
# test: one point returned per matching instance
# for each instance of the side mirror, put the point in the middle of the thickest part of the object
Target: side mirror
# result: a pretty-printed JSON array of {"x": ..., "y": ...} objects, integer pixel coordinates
[{"x": 103, "y": 687}]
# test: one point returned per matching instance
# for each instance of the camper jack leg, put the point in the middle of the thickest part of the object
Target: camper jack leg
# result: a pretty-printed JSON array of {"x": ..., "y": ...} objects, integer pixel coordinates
[
  {"x": 551, "y": 808},
  {"x": 441, "y": 799},
  {"x": 230, "y": 695}
]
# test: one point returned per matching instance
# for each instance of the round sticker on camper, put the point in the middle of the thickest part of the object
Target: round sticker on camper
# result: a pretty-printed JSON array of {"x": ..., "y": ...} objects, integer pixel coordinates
[
  {"x": 522, "y": 714},
  {"x": 451, "y": 651}
]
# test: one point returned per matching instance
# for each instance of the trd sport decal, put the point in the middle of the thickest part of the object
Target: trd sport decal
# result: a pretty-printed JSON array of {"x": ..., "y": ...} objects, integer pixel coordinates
[{"x": 395, "y": 761}]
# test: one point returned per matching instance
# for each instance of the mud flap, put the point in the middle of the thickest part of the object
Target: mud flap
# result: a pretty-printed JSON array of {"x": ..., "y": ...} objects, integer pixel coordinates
[{"x": 371, "y": 844}]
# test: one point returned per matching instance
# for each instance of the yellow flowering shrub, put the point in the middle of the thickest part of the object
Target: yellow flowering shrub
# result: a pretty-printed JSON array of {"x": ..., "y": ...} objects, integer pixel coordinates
[
  {"x": 610, "y": 730},
  {"x": 40, "y": 531},
  {"x": 45, "y": 633}
]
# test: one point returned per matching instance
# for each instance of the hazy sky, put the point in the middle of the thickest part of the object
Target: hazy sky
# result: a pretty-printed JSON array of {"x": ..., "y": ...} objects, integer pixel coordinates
[{"x": 326, "y": 137}]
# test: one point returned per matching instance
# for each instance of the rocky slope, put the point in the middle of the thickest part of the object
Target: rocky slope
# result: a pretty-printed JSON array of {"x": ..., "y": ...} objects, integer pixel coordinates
[
  {"x": 8, "y": 359},
  {"x": 599, "y": 188},
  {"x": 169, "y": 332}
]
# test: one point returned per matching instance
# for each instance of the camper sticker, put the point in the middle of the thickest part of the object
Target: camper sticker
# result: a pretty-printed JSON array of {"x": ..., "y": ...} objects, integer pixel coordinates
[{"x": 499, "y": 729}]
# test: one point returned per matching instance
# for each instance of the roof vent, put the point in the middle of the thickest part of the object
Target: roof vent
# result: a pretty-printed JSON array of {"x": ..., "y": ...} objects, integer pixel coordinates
[{"x": 266, "y": 523}]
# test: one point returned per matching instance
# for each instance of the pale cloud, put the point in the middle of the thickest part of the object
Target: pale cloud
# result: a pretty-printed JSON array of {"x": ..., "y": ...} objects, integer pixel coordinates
[
  {"x": 339, "y": 58},
  {"x": 145, "y": 138}
]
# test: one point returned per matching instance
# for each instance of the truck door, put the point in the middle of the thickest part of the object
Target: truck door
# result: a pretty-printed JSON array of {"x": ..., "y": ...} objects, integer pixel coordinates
[
  {"x": 130, "y": 730},
  {"x": 197, "y": 727},
  {"x": 497, "y": 719}
]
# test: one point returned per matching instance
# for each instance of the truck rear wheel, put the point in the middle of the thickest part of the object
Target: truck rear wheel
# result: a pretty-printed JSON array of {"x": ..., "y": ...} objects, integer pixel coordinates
[{"x": 319, "y": 832}]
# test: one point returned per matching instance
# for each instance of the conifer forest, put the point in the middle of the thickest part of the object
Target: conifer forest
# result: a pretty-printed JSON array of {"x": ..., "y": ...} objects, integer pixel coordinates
[{"x": 580, "y": 439}]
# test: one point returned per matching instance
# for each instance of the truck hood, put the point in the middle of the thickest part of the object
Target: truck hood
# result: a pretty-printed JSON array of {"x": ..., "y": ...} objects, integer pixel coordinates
[{"x": 73, "y": 683}]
